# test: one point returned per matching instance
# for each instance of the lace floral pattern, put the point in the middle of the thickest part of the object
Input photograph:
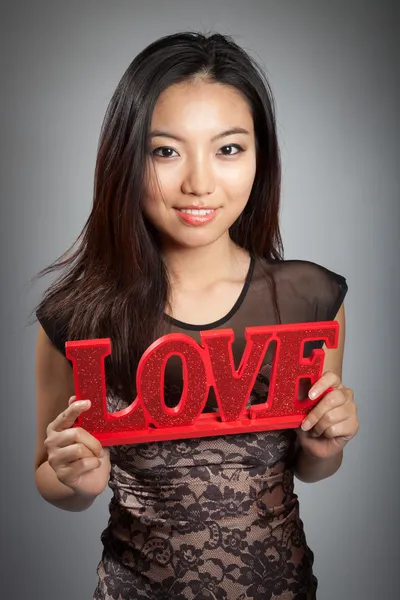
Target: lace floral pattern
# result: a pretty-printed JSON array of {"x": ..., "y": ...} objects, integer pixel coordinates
[{"x": 211, "y": 518}]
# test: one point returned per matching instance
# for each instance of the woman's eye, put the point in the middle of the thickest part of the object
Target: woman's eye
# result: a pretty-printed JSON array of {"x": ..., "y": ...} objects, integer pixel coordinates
[
  {"x": 230, "y": 150},
  {"x": 163, "y": 151}
]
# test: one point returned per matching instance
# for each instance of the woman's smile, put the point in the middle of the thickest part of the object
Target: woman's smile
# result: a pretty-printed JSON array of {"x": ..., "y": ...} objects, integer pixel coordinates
[{"x": 196, "y": 216}]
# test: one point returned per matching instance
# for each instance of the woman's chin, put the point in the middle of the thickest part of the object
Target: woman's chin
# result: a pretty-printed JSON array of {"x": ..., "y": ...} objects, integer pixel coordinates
[{"x": 193, "y": 239}]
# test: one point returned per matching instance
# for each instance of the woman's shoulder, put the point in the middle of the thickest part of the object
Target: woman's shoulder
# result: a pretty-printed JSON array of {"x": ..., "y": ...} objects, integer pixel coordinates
[
  {"x": 54, "y": 324},
  {"x": 304, "y": 272},
  {"x": 298, "y": 281}
]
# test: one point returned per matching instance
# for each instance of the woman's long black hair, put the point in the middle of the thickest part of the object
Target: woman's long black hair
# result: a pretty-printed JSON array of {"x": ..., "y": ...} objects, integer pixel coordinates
[{"x": 113, "y": 281}]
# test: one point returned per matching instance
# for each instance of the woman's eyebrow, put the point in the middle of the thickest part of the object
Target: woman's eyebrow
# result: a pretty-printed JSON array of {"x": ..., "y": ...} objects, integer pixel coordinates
[{"x": 167, "y": 134}]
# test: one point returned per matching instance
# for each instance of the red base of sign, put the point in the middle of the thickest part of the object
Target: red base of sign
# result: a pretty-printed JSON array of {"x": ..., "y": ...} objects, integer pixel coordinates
[{"x": 207, "y": 425}]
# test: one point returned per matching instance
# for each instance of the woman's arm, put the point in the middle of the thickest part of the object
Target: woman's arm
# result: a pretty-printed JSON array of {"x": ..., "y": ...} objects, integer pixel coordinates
[
  {"x": 332, "y": 423},
  {"x": 54, "y": 387}
]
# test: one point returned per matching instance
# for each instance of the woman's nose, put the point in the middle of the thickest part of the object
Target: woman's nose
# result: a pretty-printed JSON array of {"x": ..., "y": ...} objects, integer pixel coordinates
[{"x": 199, "y": 179}]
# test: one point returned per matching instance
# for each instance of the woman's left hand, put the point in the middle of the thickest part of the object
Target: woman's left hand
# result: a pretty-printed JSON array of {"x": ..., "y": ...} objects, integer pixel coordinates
[{"x": 332, "y": 422}]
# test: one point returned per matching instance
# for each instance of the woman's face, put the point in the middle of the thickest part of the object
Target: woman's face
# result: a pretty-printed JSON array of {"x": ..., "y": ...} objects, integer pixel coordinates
[{"x": 202, "y": 162}]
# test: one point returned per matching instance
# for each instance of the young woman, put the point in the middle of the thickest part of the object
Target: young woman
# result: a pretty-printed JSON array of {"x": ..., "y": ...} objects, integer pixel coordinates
[{"x": 184, "y": 236}]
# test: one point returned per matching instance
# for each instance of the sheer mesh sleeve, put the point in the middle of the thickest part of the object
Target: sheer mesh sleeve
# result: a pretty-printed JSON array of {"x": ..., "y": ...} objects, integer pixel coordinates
[
  {"x": 308, "y": 292},
  {"x": 325, "y": 288},
  {"x": 54, "y": 328}
]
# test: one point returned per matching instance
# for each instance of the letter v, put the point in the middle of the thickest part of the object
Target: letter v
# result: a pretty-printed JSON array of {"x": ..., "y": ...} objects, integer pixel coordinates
[{"x": 233, "y": 388}]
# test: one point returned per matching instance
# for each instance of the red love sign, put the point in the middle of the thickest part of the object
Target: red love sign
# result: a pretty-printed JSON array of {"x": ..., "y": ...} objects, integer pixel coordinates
[{"x": 204, "y": 365}]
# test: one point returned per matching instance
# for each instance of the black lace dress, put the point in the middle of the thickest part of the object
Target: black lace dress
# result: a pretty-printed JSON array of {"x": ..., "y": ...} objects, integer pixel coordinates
[{"x": 217, "y": 518}]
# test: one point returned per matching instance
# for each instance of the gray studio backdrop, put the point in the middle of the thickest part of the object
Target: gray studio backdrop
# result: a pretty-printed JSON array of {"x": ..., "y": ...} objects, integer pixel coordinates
[{"x": 333, "y": 69}]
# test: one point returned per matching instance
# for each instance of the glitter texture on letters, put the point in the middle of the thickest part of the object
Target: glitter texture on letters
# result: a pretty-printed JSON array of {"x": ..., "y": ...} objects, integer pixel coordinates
[{"x": 148, "y": 418}]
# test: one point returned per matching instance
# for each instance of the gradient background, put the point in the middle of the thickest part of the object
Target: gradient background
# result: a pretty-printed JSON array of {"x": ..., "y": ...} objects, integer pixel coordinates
[{"x": 334, "y": 72}]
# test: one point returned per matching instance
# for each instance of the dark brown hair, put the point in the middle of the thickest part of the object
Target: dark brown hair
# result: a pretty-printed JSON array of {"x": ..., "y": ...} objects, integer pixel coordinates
[{"x": 114, "y": 283}]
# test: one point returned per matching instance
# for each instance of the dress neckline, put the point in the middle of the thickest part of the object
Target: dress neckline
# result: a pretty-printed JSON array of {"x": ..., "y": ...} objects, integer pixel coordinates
[{"x": 229, "y": 315}]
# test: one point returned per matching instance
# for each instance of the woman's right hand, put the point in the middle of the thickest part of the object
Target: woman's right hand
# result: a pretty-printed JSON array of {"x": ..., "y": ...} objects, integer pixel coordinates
[{"x": 78, "y": 459}]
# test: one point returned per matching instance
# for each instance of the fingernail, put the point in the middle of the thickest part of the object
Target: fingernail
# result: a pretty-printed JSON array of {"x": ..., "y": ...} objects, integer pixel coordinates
[
  {"x": 314, "y": 434},
  {"x": 306, "y": 425},
  {"x": 82, "y": 403},
  {"x": 313, "y": 394},
  {"x": 101, "y": 453}
]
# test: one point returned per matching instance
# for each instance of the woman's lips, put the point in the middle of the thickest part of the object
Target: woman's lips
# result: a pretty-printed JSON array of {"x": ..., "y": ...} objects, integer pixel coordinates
[{"x": 193, "y": 216}]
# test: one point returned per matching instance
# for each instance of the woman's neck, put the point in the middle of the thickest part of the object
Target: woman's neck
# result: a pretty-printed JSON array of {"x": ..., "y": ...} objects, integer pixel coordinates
[{"x": 192, "y": 269}]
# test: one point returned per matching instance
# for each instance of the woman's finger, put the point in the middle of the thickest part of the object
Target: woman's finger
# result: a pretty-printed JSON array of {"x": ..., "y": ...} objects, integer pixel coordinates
[
  {"x": 69, "y": 454},
  {"x": 70, "y": 474},
  {"x": 77, "y": 435},
  {"x": 328, "y": 379},
  {"x": 346, "y": 429},
  {"x": 67, "y": 418},
  {"x": 329, "y": 402},
  {"x": 330, "y": 418}
]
